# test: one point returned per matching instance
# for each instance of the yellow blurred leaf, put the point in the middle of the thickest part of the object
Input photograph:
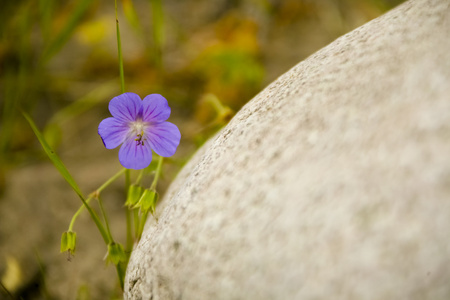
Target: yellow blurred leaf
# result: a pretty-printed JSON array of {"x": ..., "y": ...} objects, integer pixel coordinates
[
  {"x": 94, "y": 31},
  {"x": 12, "y": 278}
]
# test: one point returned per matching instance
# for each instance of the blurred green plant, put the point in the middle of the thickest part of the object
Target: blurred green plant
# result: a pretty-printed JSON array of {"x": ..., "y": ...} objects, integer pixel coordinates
[{"x": 24, "y": 64}]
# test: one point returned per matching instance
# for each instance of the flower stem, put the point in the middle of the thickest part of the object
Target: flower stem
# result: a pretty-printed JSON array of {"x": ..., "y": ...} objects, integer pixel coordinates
[
  {"x": 119, "y": 48},
  {"x": 158, "y": 31},
  {"x": 129, "y": 244},
  {"x": 96, "y": 221},
  {"x": 152, "y": 187},
  {"x": 110, "y": 180},
  {"x": 121, "y": 273},
  {"x": 97, "y": 192},
  {"x": 105, "y": 218},
  {"x": 75, "y": 216},
  {"x": 139, "y": 178},
  {"x": 128, "y": 216},
  {"x": 127, "y": 179},
  {"x": 157, "y": 173},
  {"x": 136, "y": 222}
]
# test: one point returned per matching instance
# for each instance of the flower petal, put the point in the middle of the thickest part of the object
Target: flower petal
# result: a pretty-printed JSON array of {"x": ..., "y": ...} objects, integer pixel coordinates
[
  {"x": 164, "y": 138},
  {"x": 155, "y": 109},
  {"x": 126, "y": 107},
  {"x": 113, "y": 132},
  {"x": 134, "y": 156}
]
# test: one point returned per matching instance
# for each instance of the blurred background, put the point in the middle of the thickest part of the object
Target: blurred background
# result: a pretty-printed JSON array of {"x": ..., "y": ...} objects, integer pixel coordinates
[{"x": 59, "y": 63}]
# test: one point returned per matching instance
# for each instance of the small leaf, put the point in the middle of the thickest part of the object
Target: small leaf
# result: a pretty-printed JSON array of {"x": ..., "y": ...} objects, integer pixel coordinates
[{"x": 53, "y": 157}]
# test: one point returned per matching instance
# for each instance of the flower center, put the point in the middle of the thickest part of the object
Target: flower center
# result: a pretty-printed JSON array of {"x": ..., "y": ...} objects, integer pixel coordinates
[{"x": 137, "y": 128}]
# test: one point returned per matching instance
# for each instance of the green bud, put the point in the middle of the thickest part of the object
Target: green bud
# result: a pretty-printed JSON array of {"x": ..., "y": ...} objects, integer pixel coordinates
[
  {"x": 134, "y": 194},
  {"x": 147, "y": 202},
  {"x": 116, "y": 254},
  {"x": 68, "y": 242}
]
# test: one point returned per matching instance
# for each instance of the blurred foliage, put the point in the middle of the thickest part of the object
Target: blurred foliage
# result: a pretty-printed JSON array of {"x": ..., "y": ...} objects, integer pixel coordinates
[
  {"x": 58, "y": 61},
  {"x": 55, "y": 54}
]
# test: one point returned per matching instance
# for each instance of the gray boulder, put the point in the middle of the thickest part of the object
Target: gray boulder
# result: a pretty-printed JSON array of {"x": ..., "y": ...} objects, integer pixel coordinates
[{"x": 332, "y": 183}]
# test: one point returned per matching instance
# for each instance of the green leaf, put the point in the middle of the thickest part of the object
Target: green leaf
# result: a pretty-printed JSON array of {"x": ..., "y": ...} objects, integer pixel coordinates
[{"x": 54, "y": 157}]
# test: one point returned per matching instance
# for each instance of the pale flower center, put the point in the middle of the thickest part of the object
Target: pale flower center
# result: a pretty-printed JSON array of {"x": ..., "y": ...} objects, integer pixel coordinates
[{"x": 137, "y": 129}]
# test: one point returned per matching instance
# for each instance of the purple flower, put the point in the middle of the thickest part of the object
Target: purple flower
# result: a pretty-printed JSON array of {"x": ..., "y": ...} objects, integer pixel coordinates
[{"x": 141, "y": 126}]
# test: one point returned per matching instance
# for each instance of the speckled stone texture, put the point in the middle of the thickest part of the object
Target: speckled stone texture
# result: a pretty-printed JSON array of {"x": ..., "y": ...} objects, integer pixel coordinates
[{"x": 332, "y": 183}]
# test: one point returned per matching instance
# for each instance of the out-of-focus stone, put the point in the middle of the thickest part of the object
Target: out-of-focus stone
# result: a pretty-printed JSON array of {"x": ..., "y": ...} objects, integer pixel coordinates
[{"x": 332, "y": 183}]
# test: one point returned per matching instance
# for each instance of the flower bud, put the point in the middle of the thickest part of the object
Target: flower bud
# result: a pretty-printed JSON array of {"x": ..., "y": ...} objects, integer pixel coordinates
[
  {"x": 147, "y": 202},
  {"x": 68, "y": 242},
  {"x": 133, "y": 196},
  {"x": 116, "y": 254}
]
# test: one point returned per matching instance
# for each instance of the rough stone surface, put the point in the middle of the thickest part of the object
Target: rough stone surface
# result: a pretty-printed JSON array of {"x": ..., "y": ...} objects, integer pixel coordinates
[{"x": 332, "y": 183}]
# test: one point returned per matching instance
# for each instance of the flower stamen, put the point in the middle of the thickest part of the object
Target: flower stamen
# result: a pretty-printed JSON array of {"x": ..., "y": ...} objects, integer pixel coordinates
[{"x": 140, "y": 139}]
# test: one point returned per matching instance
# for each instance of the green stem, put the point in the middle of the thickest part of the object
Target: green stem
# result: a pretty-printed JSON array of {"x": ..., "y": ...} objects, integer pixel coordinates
[
  {"x": 127, "y": 179},
  {"x": 139, "y": 178},
  {"x": 75, "y": 216},
  {"x": 105, "y": 218},
  {"x": 121, "y": 273},
  {"x": 97, "y": 192},
  {"x": 119, "y": 48},
  {"x": 96, "y": 221},
  {"x": 158, "y": 34},
  {"x": 110, "y": 180},
  {"x": 142, "y": 225},
  {"x": 6, "y": 290},
  {"x": 152, "y": 187},
  {"x": 157, "y": 173},
  {"x": 129, "y": 245},
  {"x": 136, "y": 222}
]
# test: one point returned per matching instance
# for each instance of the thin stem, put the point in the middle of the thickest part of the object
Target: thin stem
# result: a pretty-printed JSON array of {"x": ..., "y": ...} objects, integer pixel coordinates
[
  {"x": 136, "y": 222},
  {"x": 119, "y": 48},
  {"x": 43, "y": 285},
  {"x": 120, "y": 270},
  {"x": 105, "y": 218},
  {"x": 129, "y": 245},
  {"x": 127, "y": 179},
  {"x": 121, "y": 274},
  {"x": 97, "y": 192},
  {"x": 110, "y": 180},
  {"x": 75, "y": 216},
  {"x": 7, "y": 291},
  {"x": 142, "y": 225},
  {"x": 158, "y": 31},
  {"x": 152, "y": 187},
  {"x": 128, "y": 216},
  {"x": 157, "y": 173},
  {"x": 96, "y": 221},
  {"x": 139, "y": 178}
]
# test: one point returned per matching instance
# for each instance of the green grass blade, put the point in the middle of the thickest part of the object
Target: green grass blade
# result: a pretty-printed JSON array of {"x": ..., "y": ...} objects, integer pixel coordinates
[
  {"x": 54, "y": 157},
  {"x": 119, "y": 48},
  {"x": 46, "y": 9},
  {"x": 158, "y": 30}
]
